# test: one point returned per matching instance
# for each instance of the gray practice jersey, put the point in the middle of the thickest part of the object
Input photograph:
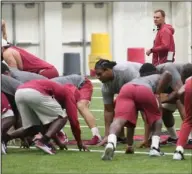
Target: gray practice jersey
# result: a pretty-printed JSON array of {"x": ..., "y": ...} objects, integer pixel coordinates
[
  {"x": 150, "y": 81},
  {"x": 25, "y": 76},
  {"x": 73, "y": 79},
  {"x": 9, "y": 85},
  {"x": 123, "y": 73},
  {"x": 175, "y": 69}
]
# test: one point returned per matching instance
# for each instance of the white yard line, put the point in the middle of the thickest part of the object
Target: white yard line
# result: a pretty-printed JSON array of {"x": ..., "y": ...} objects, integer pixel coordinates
[
  {"x": 95, "y": 81},
  {"x": 101, "y": 151},
  {"x": 97, "y": 97},
  {"x": 102, "y": 127},
  {"x": 97, "y": 88}
]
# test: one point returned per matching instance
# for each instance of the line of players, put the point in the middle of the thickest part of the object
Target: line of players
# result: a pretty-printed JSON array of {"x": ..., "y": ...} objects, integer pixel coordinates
[{"x": 39, "y": 99}]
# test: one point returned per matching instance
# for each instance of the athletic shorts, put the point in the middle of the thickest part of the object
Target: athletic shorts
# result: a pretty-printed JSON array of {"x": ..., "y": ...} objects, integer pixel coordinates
[
  {"x": 6, "y": 110},
  {"x": 49, "y": 73},
  {"x": 86, "y": 90},
  {"x": 36, "y": 108},
  {"x": 133, "y": 98},
  {"x": 188, "y": 100}
]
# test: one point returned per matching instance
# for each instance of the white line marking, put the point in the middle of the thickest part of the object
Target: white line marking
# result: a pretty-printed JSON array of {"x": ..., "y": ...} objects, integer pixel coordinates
[
  {"x": 97, "y": 97},
  {"x": 97, "y": 88},
  {"x": 102, "y": 127},
  {"x": 83, "y": 119},
  {"x": 101, "y": 151},
  {"x": 176, "y": 114},
  {"x": 95, "y": 81}
]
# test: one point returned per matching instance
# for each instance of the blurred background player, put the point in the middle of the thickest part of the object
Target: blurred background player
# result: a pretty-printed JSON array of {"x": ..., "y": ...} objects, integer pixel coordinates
[
  {"x": 113, "y": 76},
  {"x": 138, "y": 95},
  {"x": 19, "y": 58},
  {"x": 86, "y": 90},
  {"x": 163, "y": 49}
]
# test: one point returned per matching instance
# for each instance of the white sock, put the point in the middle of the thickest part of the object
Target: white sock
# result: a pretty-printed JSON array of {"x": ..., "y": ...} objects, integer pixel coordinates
[
  {"x": 95, "y": 132},
  {"x": 112, "y": 138},
  {"x": 62, "y": 131},
  {"x": 190, "y": 136},
  {"x": 155, "y": 141},
  {"x": 180, "y": 148},
  {"x": 172, "y": 132}
]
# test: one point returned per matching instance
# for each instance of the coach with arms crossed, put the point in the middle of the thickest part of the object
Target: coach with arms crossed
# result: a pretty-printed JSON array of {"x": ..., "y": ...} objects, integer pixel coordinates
[{"x": 163, "y": 49}]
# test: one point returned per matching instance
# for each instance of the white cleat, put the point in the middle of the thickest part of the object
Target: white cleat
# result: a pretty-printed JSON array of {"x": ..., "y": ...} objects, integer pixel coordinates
[
  {"x": 155, "y": 152},
  {"x": 178, "y": 155},
  {"x": 109, "y": 152},
  {"x": 3, "y": 148}
]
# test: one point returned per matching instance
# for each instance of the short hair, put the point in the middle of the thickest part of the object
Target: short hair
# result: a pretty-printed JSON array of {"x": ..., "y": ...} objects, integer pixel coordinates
[
  {"x": 4, "y": 68},
  {"x": 187, "y": 71},
  {"x": 160, "y": 11},
  {"x": 147, "y": 69},
  {"x": 104, "y": 64}
]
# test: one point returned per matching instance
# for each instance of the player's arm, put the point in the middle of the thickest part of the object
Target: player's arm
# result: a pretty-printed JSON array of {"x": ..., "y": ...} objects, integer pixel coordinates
[
  {"x": 108, "y": 109},
  {"x": 181, "y": 93},
  {"x": 165, "y": 79},
  {"x": 165, "y": 42},
  {"x": 176, "y": 85},
  {"x": 71, "y": 110},
  {"x": 3, "y": 28},
  {"x": 108, "y": 116}
]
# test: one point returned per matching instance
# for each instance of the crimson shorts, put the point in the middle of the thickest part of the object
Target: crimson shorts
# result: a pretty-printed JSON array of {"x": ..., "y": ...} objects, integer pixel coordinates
[
  {"x": 188, "y": 100},
  {"x": 6, "y": 110},
  {"x": 86, "y": 90},
  {"x": 49, "y": 73},
  {"x": 133, "y": 98}
]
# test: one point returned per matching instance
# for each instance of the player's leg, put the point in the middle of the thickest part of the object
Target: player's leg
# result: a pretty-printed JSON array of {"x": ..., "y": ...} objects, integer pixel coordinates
[
  {"x": 30, "y": 123},
  {"x": 186, "y": 126},
  {"x": 52, "y": 117},
  {"x": 125, "y": 111},
  {"x": 86, "y": 92},
  {"x": 7, "y": 121},
  {"x": 169, "y": 122},
  {"x": 152, "y": 116}
]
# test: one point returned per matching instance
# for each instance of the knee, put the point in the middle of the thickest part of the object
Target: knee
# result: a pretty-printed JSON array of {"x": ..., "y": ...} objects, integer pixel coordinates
[{"x": 83, "y": 105}]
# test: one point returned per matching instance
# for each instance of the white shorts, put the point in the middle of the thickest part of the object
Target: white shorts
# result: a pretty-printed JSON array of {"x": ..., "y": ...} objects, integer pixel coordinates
[
  {"x": 36, "y": 108},
  {"x": 8, "y": 113},
  {"x": 170, "y": 107}
]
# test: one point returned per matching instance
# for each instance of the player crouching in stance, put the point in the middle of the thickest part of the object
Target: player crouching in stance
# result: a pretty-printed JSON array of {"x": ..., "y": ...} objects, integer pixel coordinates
[
  {"x": 138, "y": 95},
  {"x": 184, "y": 93},
  {"x": 41, "y": 104}
]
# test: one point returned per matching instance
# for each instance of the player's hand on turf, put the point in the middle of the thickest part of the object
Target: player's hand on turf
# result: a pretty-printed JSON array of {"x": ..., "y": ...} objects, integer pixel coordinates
[
  {"x": 144, "y": 144},
  {"x": 83, "y": 147},
  {"x": 103, "y": 142}
]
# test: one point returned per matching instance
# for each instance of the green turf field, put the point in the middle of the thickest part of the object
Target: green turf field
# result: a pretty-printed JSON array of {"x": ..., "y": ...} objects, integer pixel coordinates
[{"x": 33, "y": 161}]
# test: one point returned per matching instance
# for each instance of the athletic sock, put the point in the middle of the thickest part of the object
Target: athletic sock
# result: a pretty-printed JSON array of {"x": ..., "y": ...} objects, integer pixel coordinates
[
  {"x": 95, "y": 132},
  {"x": 112, "y": 138},
  {"x": 172, "y": 132},
  {"x": 190, "y": 136},
  {"x": 180, "y": 148},
  {"x": 155, "y": 141}
]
